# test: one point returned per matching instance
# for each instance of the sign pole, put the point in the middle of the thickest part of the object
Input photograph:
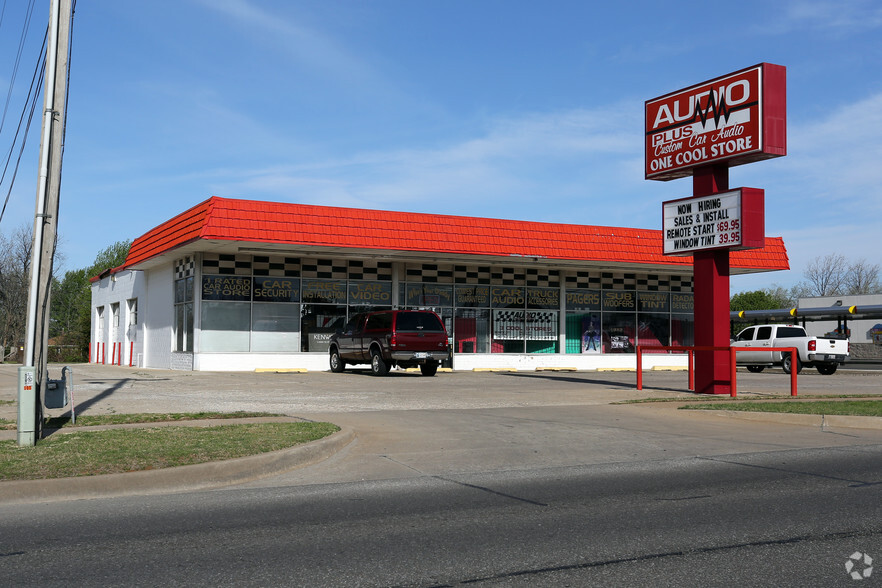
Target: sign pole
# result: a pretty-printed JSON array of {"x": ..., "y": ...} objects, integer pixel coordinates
[{"x": 711, "y": 274}]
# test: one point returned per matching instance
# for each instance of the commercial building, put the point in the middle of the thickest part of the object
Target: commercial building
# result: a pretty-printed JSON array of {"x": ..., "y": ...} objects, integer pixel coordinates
[{"x": 241, "y": 285}]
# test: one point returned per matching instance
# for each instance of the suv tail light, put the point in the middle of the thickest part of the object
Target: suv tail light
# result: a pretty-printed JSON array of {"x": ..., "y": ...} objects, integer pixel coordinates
[
  {"x": 813, "y": 345},
  {"x": 393, "y": 340}
]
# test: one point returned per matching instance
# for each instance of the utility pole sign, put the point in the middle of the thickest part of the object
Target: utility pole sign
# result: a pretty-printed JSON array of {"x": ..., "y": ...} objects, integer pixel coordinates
[{"x": 702, "y": 131}]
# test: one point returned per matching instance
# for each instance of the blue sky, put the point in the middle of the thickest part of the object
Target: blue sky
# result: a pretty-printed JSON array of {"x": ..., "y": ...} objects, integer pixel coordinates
[{"x": 496, "y": 108}]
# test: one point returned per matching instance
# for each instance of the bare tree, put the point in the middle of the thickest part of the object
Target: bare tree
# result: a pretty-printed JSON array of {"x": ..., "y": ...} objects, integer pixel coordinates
[
  {"x": 825, "y": 276},
  {"x": 833, "y": 275},
  {"x": 15, "y": 263},
  {"x": 862, "y": 278}
]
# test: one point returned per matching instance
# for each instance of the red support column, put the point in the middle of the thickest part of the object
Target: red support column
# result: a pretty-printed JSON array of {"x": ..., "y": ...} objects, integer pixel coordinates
[{"x": 711, "y": 273}]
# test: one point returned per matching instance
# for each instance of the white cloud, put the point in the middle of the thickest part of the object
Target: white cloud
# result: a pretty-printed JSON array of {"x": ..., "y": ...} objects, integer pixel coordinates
[
  {"x": 536, "y": 159},
  {"x": 308, "y": 47}
]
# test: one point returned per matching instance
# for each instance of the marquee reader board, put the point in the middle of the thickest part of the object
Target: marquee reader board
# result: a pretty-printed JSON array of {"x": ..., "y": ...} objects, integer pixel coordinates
[
  {"x": 731, "y": 120},
  {"x": 727, "y": 220}
]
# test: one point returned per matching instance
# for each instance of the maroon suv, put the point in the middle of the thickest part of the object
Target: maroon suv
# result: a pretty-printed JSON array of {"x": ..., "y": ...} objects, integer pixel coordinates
[{"x": 387, "y": 338}]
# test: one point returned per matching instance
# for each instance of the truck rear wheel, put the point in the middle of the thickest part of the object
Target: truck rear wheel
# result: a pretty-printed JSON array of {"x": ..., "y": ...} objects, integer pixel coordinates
[
  {"x": 827, "y": 369},
  {"x": 787, "y": 363}
]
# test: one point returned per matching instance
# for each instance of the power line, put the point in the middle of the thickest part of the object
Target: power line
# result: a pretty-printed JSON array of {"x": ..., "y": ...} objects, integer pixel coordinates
[
  {"x": 21, "y": 42},
  {"x": 33, "y": 96}
]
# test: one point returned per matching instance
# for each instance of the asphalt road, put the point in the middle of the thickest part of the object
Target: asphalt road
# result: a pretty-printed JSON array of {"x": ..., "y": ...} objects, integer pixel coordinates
[{"x": 786, "y": 518}]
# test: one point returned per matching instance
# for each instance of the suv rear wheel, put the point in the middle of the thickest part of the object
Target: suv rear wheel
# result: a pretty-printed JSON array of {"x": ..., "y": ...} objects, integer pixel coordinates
[{"x": 378, "y": 364}]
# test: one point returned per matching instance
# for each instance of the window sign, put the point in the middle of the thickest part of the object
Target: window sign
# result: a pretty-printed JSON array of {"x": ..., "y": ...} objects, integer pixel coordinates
[
  {"x": 276, "y": 289},
  {"x": 682, "y": 303},
  {"x": 653, "y": 302},
  {"x": 507, "y": 297},
  {"x": 619, "y": 300},
  {"x": 543, "y": 298},
  {"x": 583, "y": 300},
  {"x": 373, "y": 293},
  {"x": 541, "y": 326},
  {"x": 324, "y": 291},
  {"x": 429, "y": 295},
  {"x": 472, "y": 296},
  {"x": 226, "y": 288}
]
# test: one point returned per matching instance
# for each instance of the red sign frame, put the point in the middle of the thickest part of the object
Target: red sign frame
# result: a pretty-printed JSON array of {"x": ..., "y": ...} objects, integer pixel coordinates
[
  {"x": 734, "y": 119},
  {"x": 742, "y": 225}
]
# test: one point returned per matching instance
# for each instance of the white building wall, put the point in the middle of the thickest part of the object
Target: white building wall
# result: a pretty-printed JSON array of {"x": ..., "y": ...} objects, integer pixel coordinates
[
  {"x": 860, "y": 329},
  {"x": 124, "y": 344},
  {"x": 159, "y": 317}
]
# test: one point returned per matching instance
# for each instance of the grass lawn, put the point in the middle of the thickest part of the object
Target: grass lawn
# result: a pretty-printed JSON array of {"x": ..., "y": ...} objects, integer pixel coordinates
[
  {"x": 88, "y": 453},
  {"x": 827, "y": 407}
]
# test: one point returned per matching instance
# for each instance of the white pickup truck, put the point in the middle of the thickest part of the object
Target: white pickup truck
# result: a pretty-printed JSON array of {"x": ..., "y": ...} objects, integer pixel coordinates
[{"x": 823, "y": 353}]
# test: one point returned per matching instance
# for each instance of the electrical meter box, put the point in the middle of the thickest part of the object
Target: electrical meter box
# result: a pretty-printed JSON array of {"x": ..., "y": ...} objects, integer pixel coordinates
[{"x": 56, "y": 395}]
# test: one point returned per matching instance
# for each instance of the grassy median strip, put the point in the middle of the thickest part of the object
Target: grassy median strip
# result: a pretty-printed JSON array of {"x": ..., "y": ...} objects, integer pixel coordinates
[
  {"x": 89, "y": 453},
  {"x": 825, "y": 407}
]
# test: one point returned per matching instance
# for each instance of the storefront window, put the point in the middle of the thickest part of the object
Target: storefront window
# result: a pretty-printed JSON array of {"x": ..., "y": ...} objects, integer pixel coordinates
[
  {"x": 542, "y": 320},
  {"x": 682, "y": 321},
  {"x": 508, "y": 318},
  {"x": 184, "y": 314},
  {"x": 471, "y": 325},
  {"x": 275, "y": 327},
  {"x": 619, "y": 321},
  {"x": 471, "y": 330},
  {"x": 319, "y": 322},
  {"x": 583, "y": 321},
  {"x": 226, "y": 326},
  {"x": 653, "y": 319},
  {"x": 618, "y": 332}
]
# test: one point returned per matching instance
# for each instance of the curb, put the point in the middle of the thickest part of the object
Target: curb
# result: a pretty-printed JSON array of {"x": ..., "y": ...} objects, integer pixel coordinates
[
  {"x": 202, "y": 476},
  {"x": 821, "y": 421}
]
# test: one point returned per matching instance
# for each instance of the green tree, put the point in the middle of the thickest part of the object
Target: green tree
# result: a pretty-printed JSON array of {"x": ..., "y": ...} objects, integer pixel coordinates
[{"x": 766, "y": 299}]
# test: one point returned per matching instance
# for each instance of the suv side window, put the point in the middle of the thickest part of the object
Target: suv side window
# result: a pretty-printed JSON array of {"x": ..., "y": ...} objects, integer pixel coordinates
[
  {"x": 379, "y": 322},
  {"x": 764, "y": 333},
  {"x": 746, "y": 335}
]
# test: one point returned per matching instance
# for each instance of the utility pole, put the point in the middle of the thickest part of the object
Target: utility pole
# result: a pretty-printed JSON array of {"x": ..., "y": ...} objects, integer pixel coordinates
[{"x": 33, "y": 375}]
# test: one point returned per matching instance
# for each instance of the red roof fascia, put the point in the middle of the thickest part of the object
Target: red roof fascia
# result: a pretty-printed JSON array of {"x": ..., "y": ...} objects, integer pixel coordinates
[
  {"x": 182, "y": 229},
  {"x": 324, "y": 226}
]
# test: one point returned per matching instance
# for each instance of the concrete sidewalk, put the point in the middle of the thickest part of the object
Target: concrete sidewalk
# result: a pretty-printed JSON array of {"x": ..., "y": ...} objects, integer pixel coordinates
[{"x": 405, "y": 424}]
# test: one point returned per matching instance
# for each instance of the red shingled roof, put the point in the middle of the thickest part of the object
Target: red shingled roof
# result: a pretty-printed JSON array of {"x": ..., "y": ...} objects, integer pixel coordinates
[{"x": 224, "y": 219}]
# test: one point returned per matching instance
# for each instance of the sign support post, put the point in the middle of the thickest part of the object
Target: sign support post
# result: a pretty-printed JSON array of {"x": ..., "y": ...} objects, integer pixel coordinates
[{"x": 711, "y": 287}]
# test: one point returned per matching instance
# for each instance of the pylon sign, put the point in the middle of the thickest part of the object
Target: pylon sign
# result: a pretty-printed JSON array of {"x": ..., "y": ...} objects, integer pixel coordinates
[
  {"x": 737, "y": 118},
  {"x": 702, "y": 131}
]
